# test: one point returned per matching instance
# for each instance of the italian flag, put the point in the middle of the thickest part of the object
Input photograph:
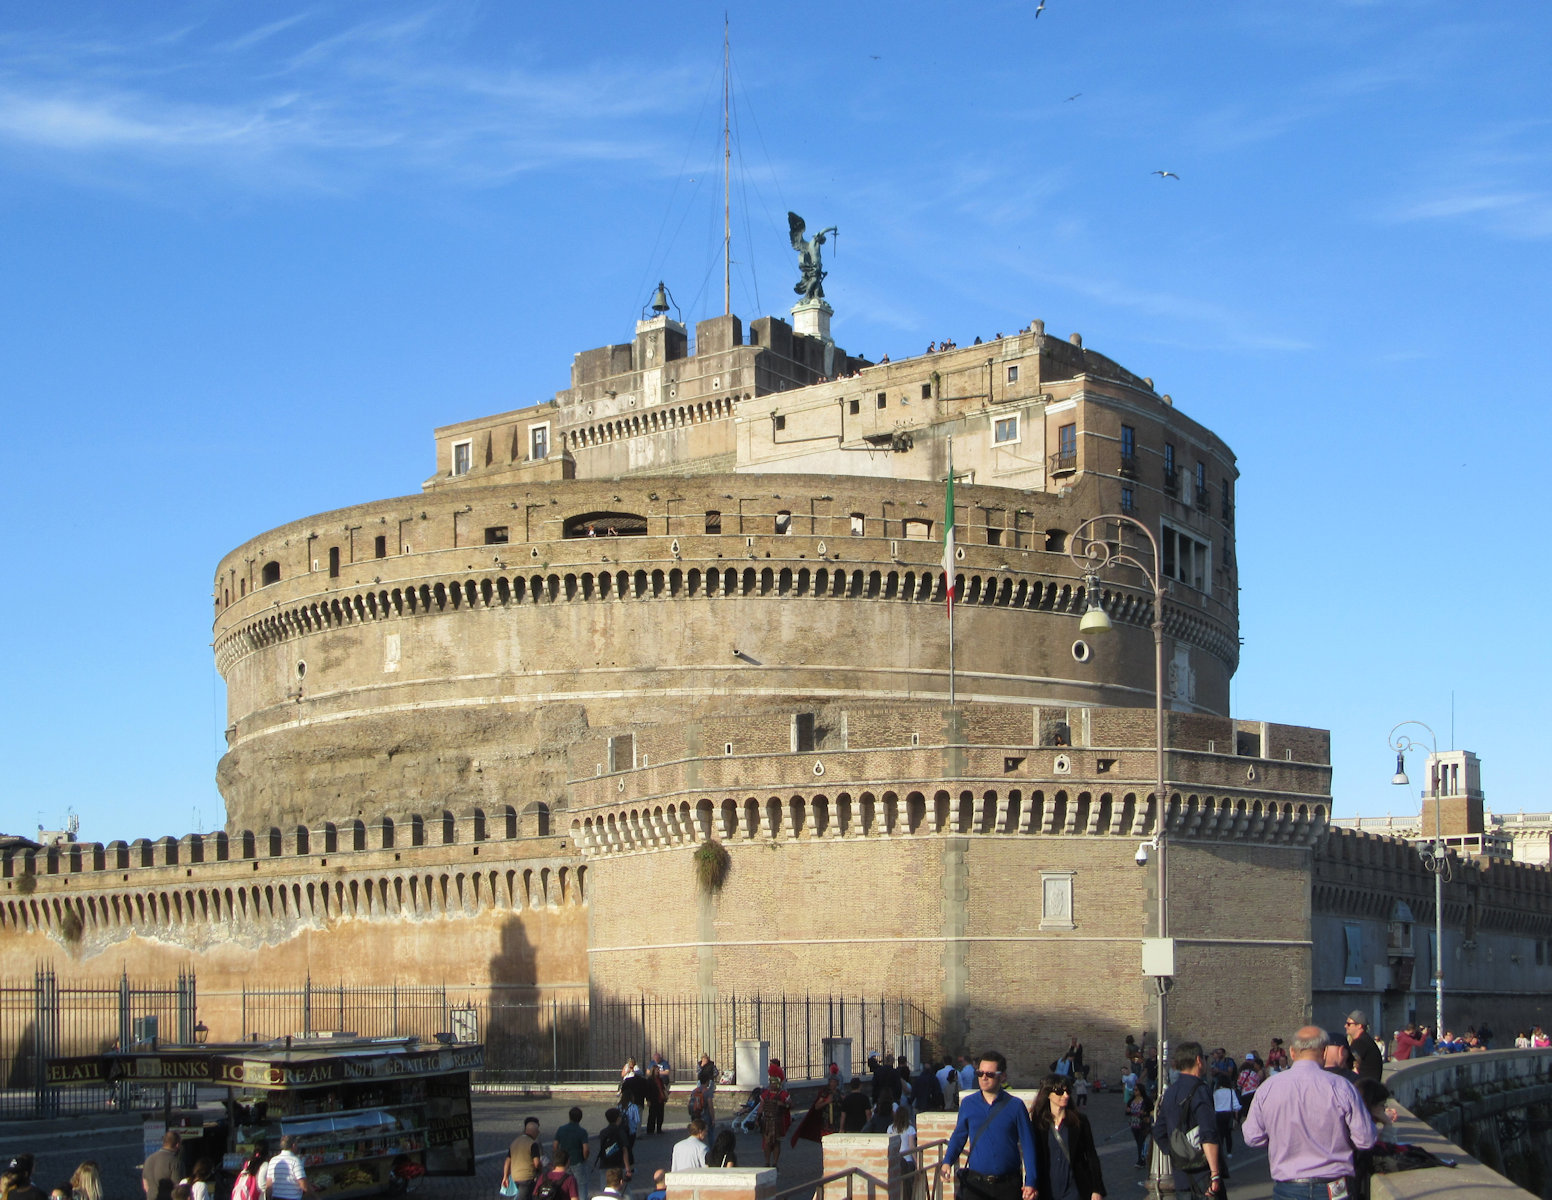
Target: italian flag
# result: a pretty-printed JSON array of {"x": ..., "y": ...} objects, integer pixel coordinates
[{"x": 949, "y": 582}]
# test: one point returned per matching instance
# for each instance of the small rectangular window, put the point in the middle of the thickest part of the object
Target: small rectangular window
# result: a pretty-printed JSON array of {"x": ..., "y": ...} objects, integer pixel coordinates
[
  {"x": 496, "y": 535},
  {"x": 1128, "y": 442},
  {"x": 1128, "y": 499},
  {"x": 854, "y": 407},
  {"x": 463, "y": 457},
  {"x": 334, "y": 562},
  {"x": 1067, "y": 445},
  {"x": 926, "y": 391},
  {"x": 713, "y": 521},
  {"x": 1005, "y": 430},
  {"x": 784, "y": 522},
  {"x": 539, "y": 442},
  {"x": 857, "y": 523},
  {"x": 803, "y": 732},
  {"x": 1013, "y": 374},
  {"x": 1227, "y": 500},
  {"x": 622, "y": 752},
  {"x": 780, "y": 423},
  {"x": 882, "y": 400},
  {"x": 380, "y": 547}
]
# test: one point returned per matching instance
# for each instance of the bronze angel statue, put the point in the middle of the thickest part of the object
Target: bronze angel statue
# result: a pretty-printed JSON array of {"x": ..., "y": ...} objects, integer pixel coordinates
[{"x": 811, "y": 286}]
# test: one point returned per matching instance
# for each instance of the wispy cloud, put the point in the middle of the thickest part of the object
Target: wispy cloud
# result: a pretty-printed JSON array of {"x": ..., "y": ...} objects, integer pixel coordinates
[
  {"x": 1489, "y": 181},
  {"x": 342, "y": 105}
]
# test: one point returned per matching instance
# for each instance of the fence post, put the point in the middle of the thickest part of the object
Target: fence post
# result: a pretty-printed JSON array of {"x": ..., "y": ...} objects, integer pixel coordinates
[
  {"x": 307, "y": 1005},
  {"x": 554, "y": 1039},
  {"x": 45, "y": 1035},
  {"x": 126, "y": 1034}
]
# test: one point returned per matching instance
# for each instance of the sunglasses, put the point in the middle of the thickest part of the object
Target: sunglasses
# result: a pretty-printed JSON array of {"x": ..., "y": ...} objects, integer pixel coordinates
[
  {"x": 987, "y": 1074},
  {"x": 1060, "y": 1091}
]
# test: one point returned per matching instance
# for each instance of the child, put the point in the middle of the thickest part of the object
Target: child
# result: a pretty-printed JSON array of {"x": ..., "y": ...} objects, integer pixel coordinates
[{"x": 1080, "y": 1089}]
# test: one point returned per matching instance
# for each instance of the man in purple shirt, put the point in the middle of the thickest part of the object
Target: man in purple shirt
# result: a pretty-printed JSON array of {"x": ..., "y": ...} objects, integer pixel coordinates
[{"x": 1311, "y": 1122}]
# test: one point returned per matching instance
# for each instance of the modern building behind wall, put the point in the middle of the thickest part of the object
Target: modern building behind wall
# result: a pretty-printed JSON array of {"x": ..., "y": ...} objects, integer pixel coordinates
[{"x": 479, "y": 732}]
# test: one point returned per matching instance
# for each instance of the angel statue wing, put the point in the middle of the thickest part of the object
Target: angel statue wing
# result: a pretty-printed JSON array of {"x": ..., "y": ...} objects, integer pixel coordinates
[{"x": 795, "y": 228}]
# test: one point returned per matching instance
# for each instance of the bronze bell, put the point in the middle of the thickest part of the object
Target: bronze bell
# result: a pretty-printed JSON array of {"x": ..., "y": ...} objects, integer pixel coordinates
[{"x": 660, "y": 299}]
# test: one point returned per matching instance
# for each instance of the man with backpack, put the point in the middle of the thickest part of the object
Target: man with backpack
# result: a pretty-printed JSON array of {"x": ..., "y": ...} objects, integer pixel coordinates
[{"x": 1186, "y": 1127}]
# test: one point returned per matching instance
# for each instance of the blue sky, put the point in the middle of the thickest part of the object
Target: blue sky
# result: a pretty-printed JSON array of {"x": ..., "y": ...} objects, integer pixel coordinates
[{"x": 251, "y": 254}]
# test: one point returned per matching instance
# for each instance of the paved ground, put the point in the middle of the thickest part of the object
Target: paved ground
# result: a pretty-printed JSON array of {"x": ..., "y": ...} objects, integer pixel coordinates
[{"x": 114, "y": 1143}]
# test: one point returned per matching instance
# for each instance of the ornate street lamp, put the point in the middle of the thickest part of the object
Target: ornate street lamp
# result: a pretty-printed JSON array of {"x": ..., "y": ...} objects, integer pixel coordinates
[
  {"x": 1435, "y": 857},
  {"x": 1158, "y": 953}
]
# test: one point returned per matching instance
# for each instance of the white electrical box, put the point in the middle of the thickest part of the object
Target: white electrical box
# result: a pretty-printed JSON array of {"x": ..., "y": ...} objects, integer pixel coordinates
[{"x": 1158, "y": 956}]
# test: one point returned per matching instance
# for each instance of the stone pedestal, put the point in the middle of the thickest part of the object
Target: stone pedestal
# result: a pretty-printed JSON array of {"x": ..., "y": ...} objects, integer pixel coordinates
[
  {"x": 750, "y": 1060},
  {"x": 812, "y": 318},
  {"x": 838, "y": 1051}
]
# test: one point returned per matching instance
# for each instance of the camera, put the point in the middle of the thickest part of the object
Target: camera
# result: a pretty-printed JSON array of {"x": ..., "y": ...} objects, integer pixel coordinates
[{"x": 1142, "y": 855}]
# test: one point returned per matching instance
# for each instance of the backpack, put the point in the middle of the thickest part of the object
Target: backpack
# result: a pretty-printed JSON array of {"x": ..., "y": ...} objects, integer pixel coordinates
[
  {"x": 549, "y": 1188},
  {"x": 697, "y": 1106},
  {"x": 1185, "y": 1143}
]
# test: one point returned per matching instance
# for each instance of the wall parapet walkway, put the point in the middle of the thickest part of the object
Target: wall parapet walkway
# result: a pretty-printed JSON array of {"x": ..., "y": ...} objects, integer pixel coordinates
[{"x": 1462, "y": 1106}]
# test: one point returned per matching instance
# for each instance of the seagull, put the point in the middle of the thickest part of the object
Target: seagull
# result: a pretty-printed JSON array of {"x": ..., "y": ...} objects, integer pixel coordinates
[
  {"x": 1074, "y": 96},
  {"x": 1164, "y": 174},
  {"x": 874, "y": 57},
  {"x": 1040, "y": 8}
]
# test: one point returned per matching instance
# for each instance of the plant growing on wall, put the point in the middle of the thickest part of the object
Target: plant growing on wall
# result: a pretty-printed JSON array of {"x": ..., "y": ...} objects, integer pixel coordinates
[
  {"x": 711, "y": 865},
  {"x": 27, "y": 884},
  {"x": 70, "y": 926}
]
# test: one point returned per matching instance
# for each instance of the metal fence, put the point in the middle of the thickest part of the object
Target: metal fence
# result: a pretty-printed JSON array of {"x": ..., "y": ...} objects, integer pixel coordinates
[
  {"x": 42, "y": 1018},
  {"x": 579, "y": 1040},
  {"x": 526, "y": 1042}
]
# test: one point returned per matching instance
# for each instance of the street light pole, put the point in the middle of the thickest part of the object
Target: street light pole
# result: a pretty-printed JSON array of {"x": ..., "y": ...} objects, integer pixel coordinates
[
  {"x": 1435, "y": 859},
  {"x": 1096, "y": 556}
]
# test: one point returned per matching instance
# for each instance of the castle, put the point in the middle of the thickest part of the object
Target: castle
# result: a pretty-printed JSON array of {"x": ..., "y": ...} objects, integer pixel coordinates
[{"x": 478, "y": 733}]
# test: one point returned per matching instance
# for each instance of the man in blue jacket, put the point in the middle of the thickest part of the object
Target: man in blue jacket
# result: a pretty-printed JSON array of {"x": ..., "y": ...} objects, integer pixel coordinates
[{"x": 1001, "y": 1161}]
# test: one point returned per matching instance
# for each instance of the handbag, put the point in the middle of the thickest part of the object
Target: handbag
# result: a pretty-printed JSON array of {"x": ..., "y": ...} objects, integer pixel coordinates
[
  {"x": 509, "y": 1188},
  {"x": 1185, "y": 1145}
]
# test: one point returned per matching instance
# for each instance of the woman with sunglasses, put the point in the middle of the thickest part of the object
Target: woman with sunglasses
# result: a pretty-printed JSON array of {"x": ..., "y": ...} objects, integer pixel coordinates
[{"x": 1067, "y": 1163}]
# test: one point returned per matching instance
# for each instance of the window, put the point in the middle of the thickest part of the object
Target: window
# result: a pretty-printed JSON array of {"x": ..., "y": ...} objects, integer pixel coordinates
[
  {"x": 713, "y": 521},
  {"x": 496, "y": 535},
  {"x": 1013, "y": 374},
  {"x": 857, "y": 524},
  {"x": 780, "y": 422},
  {"x": 1056, "y": 541},
  {"x": 1171, "y": 483},
  {"x": 917, "y": 529},
  {"x": 854, "y": 407},
  {"x": 1352, "y": 971},
  {"x": 882, "y": 400},
  {"x": 1185, "y": 558},
  {"x": 463, "y": 457},
  {"x": 380, "y": 547},
  {"x": 1227, "y": 497},
  {"x": 784, "y": 522},
  {"x": 269, "y": 574},
  {"x": 1128, "y": 442},
  {"x": 333, "y": 562},
  {"x": 803, "y": 735},
  {"x": 1067, "y": 446},
  {"x": 538, "y": 442},
  {"x": 1128, "y": 499},
  {"x": 1005, "y": 431},
  {"x": 1201, "y": 486},
  {"x": 926, "y": 391},
  {"x": 622, "y": 752}
]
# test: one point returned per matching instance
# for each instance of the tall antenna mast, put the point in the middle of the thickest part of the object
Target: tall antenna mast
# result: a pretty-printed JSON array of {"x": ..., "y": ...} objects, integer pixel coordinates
[{"x": 727, "y": 184}]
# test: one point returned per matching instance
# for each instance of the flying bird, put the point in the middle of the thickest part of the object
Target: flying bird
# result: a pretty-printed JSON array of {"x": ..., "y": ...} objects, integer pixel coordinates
[
  {"x": 874, "y": 57},
  {"x": 1164, "y": 174},
  {"x": 1074, "y": 96},
  {"x": 1039, "y": 8}
]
